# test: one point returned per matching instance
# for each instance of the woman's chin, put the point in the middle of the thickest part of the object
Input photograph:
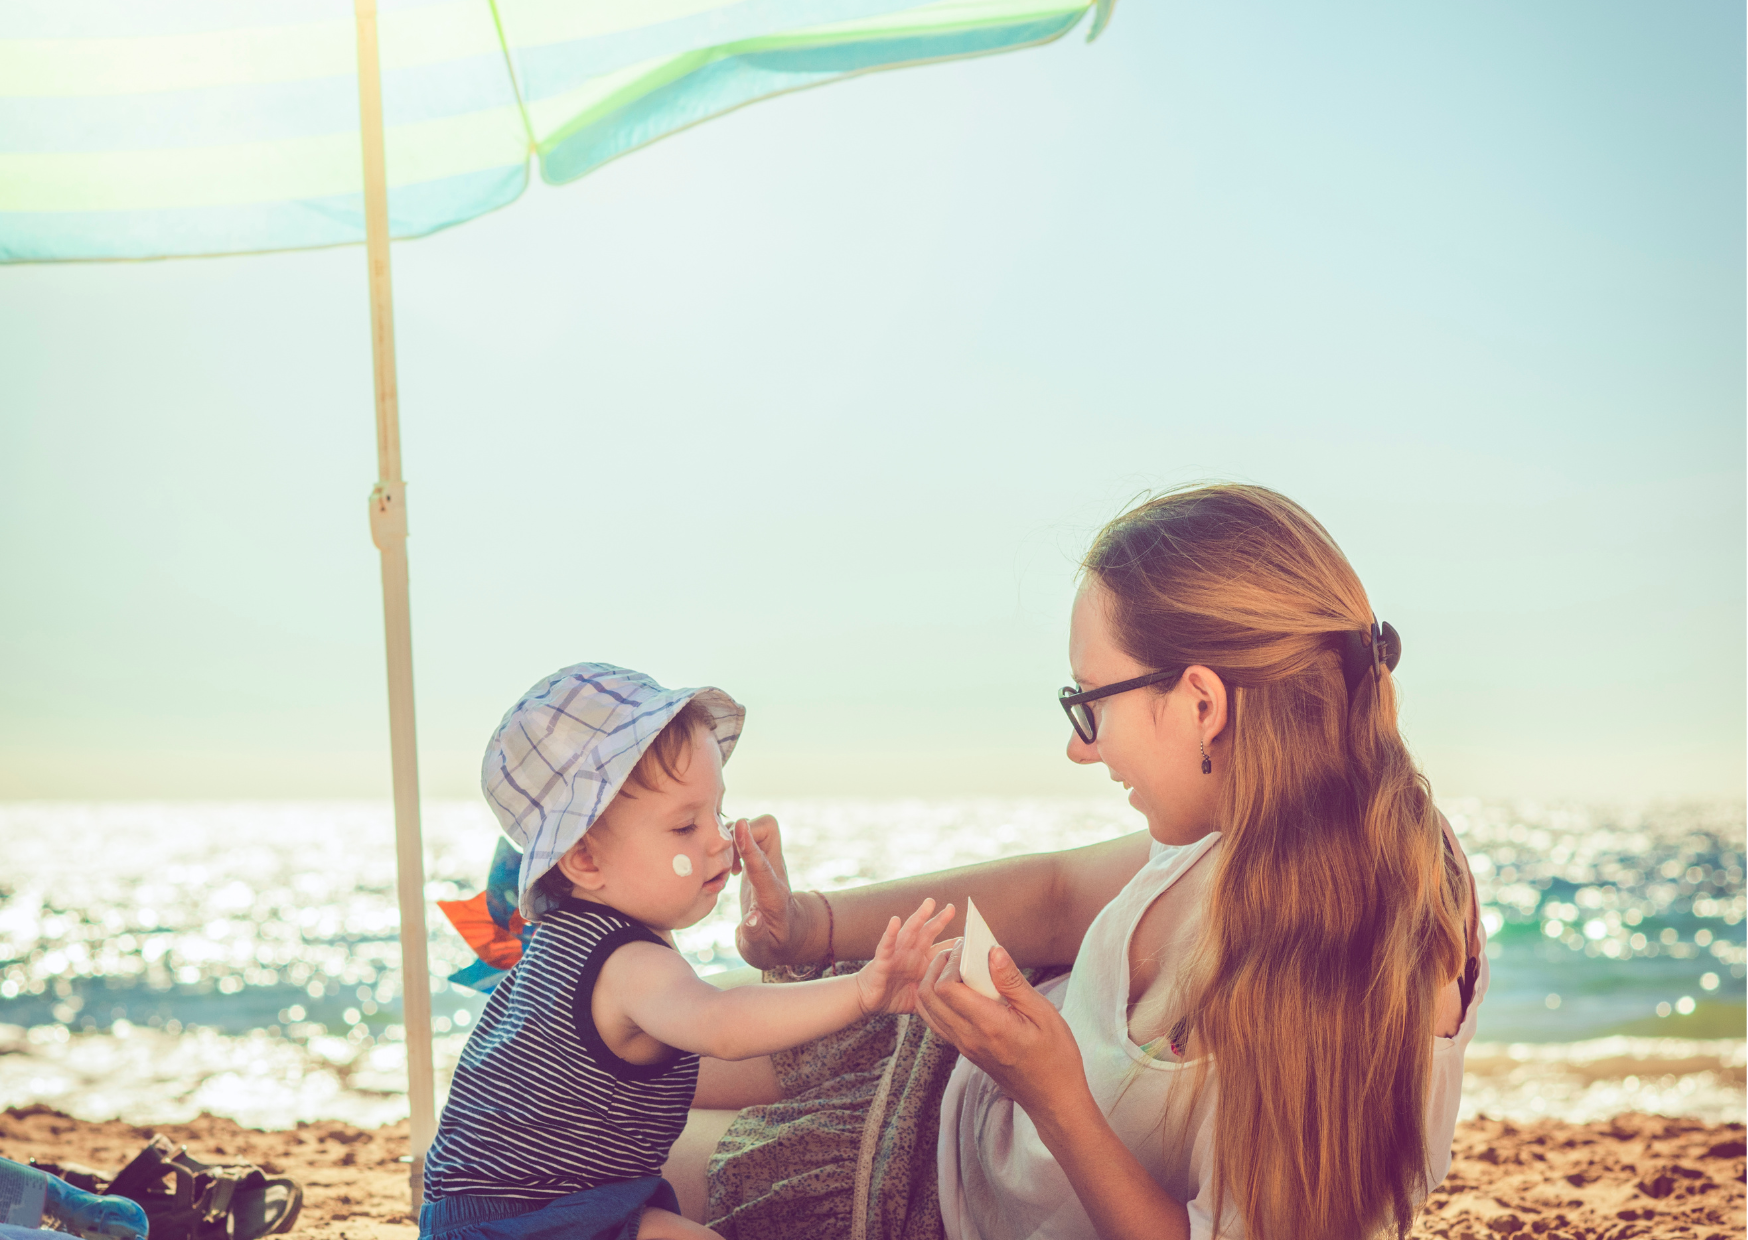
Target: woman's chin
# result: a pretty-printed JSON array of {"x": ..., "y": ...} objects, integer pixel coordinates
[{"x": 1157, "y": 826}]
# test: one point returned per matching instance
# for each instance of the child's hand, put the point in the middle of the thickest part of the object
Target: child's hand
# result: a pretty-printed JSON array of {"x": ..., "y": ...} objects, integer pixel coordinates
[{"x": 888, "y": 982}]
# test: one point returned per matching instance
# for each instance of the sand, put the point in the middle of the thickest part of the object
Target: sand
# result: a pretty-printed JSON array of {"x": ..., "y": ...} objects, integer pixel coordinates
[
  {"x": 355, "y": 1186},
  {"x": 1633, "y": 1176}
]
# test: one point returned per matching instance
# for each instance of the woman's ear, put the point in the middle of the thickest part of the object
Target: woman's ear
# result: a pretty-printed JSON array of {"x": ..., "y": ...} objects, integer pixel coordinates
[
  {"x": 1208, "y": 699},
  {"x": 580, "y": 867}
]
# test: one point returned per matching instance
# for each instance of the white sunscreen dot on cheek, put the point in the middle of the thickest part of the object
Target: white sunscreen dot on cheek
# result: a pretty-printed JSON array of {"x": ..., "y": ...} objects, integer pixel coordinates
[{"x": 682, "y": 865}]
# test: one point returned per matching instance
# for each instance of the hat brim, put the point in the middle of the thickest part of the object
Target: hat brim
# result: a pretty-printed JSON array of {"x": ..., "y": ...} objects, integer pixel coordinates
[{"x": 727, "y": 717}]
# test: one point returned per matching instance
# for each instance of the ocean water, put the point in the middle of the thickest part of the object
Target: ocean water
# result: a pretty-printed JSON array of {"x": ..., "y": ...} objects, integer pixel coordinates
[{"x": 160, "y": 960}]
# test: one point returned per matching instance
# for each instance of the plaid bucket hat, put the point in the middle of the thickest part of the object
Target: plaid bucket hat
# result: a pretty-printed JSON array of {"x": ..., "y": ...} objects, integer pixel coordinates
[{"x": 565, "y": 749}]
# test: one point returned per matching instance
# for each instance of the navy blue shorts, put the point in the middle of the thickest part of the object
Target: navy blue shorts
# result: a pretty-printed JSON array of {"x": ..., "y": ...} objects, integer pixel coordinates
[{"x": 609, "y": 1212}]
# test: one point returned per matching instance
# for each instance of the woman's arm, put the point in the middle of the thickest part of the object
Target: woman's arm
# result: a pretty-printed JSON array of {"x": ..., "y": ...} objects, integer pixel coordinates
[
  {"x": 1121, "y": 1199},
  {"x": 1030, "y": 1052},
  {"x": 779, "y": 926}
]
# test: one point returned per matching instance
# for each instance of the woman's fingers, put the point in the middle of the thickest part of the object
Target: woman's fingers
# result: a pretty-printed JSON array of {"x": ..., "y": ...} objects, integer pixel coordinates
[
  {"x": 752, "y": 855},
  {"x": 924, "y": 1005},
  {"x": 770, "y": 893},
  {"x": 941, "y": 982},
  {"x": 950, "y": 968},
  {"x": 1008, "y": 979},
  {"x": 765, "y": 900},
  {"x": 764, "y": 832},
  {"x": 734, "y": 865},
  {"x": 928, "y": 1001},
  {"x": 958, "y": 1007},
  {"x": 1024, "y": 1044},
  {"x": 957, "y": 1013}
]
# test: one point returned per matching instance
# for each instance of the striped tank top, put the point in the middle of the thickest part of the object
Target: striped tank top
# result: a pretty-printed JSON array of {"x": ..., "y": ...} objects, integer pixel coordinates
[{"x": 539, "y": 1107}]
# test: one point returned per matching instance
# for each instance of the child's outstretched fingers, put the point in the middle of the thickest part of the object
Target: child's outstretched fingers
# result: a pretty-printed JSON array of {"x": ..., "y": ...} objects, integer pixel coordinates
[
  {"x": 888, "y": 947},
  {"x": 916, "y": 949},
  {"x": 916, "y": 942},
  {"x": 933, "y": 927},
  {"x": 874, "y": 980},
  {"x": 888, "y": 982},
  {"x": 914, "y": 924}
]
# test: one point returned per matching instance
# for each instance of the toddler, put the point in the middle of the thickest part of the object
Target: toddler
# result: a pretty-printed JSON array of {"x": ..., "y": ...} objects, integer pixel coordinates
[{"x": 575, "y": 1083}]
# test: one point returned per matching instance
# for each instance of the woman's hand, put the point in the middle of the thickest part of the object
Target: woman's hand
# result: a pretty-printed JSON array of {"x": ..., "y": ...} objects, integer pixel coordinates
[
  {"x": 1021, "y": 1041},
  {"x": 888, "y": 982},
  {"x": 775, "y": 928}
]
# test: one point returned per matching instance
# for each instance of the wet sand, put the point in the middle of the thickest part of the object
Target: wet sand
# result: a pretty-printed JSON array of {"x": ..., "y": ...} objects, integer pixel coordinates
[{"x": 1632, "y": 1176}]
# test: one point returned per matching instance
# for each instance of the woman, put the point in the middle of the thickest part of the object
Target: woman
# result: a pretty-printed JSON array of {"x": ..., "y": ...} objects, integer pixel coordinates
[{"x": 1270, "y": 991}]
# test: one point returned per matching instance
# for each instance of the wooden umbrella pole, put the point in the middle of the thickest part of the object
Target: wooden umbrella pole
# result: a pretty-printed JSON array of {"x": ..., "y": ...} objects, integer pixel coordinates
[{"x": 388, "y": 530}]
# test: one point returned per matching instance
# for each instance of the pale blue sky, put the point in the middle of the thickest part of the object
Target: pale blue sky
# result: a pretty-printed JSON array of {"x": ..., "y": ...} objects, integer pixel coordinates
[{"x": 821, "y": 400}]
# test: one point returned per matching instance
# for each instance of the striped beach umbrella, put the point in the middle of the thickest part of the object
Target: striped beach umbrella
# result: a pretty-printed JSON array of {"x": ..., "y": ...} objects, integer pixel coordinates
[{"x": 134, "y": 129}]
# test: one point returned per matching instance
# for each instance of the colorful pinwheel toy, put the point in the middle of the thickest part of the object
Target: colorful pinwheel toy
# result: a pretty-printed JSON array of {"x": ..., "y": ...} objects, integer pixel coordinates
[{"x": 490, "y": 924}]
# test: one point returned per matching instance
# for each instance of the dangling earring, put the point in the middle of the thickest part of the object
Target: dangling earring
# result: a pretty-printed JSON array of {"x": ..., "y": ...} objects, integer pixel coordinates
[{"x": 1207, "y": 762}]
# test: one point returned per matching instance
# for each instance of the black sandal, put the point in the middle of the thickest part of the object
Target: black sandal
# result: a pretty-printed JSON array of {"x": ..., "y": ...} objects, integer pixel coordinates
[
  {"x": 258, "y": 1206},
  {"x": 210, "y": 1201}
]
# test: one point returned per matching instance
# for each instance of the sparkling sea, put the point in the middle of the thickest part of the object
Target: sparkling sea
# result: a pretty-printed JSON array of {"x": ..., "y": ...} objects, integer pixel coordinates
[{"x": 159, "y": 960}]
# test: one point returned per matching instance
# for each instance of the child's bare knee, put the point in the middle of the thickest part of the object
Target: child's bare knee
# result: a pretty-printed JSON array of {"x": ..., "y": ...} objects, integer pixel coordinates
[{"x": 666, "y": 1225}]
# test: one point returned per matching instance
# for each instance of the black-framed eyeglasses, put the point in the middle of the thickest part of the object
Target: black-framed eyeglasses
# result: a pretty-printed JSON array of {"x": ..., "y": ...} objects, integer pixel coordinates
[{"x": 1077, "y": 705}]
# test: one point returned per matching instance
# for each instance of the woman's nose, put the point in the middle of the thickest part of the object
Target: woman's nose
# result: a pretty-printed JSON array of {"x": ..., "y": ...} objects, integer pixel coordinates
[{"x": 1079, "y": 751}]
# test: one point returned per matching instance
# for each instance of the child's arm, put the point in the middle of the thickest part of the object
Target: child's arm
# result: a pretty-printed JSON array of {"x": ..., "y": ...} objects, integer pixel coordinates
[{"x": 656, "y": 990}]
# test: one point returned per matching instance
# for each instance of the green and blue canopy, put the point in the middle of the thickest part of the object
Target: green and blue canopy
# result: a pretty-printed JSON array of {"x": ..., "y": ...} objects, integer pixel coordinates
[{"x": 178, "y": 127}]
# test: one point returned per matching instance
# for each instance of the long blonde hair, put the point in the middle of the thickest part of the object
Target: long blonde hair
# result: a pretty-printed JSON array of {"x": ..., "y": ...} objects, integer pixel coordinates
[{"x": 1334, "y": 916}]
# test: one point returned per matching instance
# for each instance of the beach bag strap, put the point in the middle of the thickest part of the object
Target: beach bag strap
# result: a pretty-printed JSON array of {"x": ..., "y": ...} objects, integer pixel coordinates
[{"x": 871, "y": 1129}]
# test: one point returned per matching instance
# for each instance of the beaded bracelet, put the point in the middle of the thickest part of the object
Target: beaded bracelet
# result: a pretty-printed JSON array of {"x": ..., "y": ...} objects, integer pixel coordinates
[{"x": 831, "y": 932}]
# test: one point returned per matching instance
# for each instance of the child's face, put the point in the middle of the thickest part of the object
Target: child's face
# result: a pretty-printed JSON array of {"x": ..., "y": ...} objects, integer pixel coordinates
[{"x": 658, "y": 856}]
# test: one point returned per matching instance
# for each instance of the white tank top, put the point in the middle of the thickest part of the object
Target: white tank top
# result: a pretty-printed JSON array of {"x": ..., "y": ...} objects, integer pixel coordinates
[{"x": 998, "y": 1182}]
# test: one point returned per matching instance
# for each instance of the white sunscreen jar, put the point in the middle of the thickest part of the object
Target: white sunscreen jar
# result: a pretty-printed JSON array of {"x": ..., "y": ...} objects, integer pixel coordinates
[{"x": 974, "y": 958}]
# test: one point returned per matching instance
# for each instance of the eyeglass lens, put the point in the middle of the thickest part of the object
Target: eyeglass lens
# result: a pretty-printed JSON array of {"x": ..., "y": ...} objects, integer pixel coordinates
[{"x": 1080, "y": 715}]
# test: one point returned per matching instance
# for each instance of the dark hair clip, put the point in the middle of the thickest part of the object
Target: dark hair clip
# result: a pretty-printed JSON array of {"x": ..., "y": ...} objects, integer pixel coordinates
[{"x": 1365, "y": 651}]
